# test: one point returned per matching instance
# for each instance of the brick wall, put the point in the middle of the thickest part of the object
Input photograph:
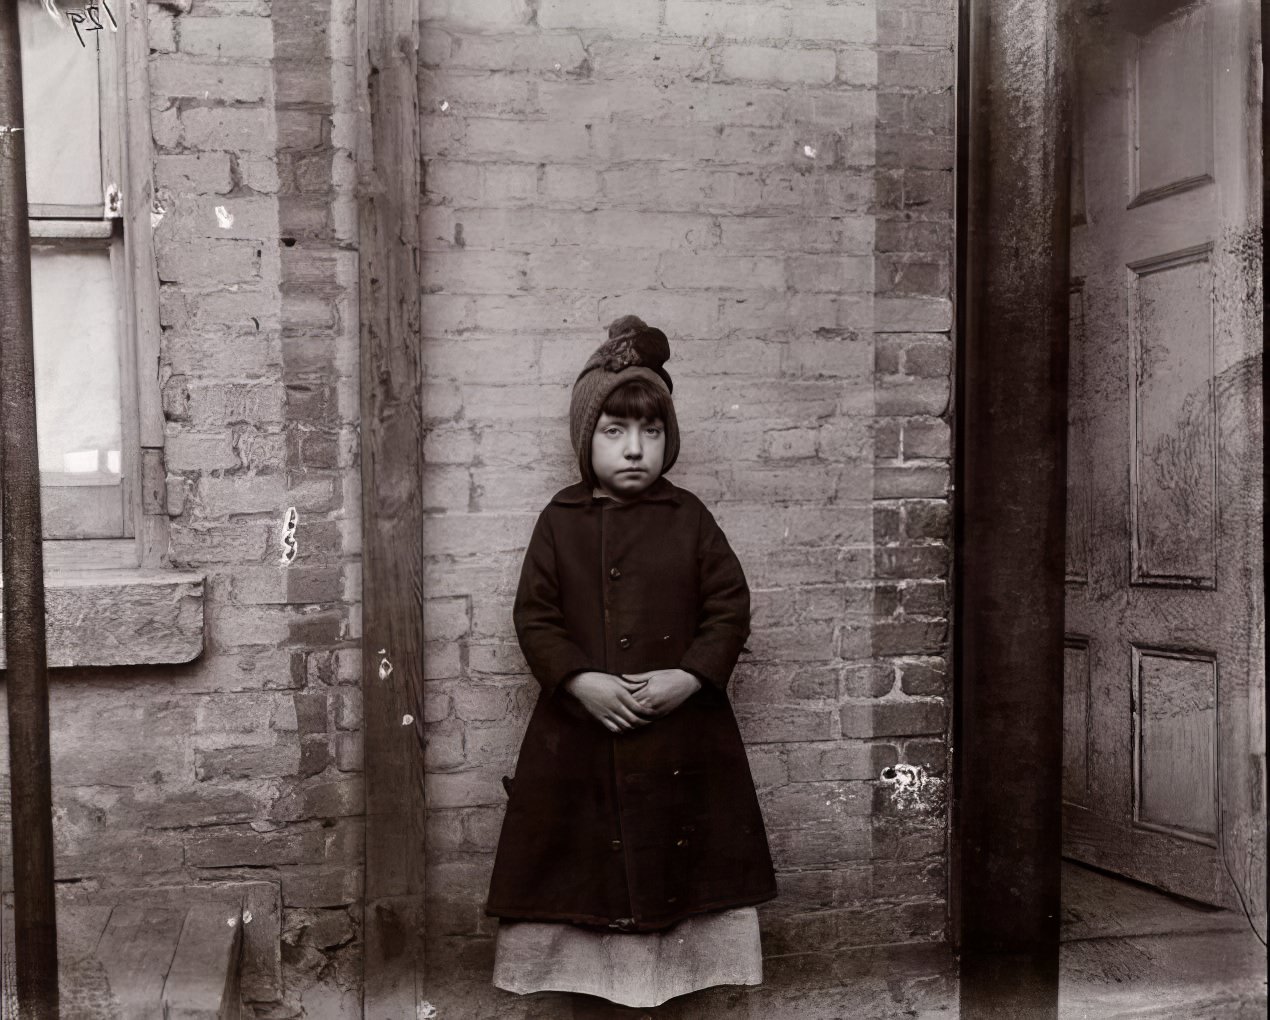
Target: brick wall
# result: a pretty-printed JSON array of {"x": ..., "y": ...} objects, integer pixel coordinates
[
  {"x": 246, "y": 763},
  {"x": 771, "y": 184}
]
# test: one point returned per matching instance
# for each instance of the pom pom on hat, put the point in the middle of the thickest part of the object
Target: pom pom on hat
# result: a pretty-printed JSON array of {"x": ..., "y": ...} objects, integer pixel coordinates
[
  {"x": 634, "y": 350},
  {"x": 633, "y": 342}
]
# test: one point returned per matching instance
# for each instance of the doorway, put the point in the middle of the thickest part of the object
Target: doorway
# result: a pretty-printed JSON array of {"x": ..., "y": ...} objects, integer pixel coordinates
[{"x": 1163, "y": 736}]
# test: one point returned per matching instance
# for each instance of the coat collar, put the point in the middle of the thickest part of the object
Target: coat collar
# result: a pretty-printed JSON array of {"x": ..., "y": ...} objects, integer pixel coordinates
[{"x": 579, "y": 494}]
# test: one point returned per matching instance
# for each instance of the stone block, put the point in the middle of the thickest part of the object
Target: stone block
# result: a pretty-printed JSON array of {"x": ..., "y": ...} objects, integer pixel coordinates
[{"x": 893, "y": 718}]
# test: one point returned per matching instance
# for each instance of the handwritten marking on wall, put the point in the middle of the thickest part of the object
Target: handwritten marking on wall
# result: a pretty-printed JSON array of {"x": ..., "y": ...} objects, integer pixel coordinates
[
  {"x": 289, "y": 544},
  {"x": 91, "y": 16}
]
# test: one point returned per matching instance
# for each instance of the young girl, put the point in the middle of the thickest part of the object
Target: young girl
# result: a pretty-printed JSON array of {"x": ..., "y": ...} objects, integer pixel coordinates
[{"x": 633, "y": 848}]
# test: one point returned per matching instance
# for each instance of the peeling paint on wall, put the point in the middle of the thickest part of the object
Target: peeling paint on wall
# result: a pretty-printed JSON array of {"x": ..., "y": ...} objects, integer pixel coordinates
[
  {"x": 289, "y": 545},
  {"x": 912, "y": 788}
]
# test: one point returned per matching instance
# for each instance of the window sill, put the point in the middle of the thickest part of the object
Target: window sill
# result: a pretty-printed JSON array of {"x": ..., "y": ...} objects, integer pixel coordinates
[{"x": 121, "y": 617}]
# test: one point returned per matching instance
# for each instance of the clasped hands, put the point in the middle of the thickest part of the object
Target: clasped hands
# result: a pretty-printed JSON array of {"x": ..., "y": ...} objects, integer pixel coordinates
[{"x": 624, "y": 703}]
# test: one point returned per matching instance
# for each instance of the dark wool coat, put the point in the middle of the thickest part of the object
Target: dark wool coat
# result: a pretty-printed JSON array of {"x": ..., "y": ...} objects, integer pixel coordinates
[{"x": 633, "y": 831}]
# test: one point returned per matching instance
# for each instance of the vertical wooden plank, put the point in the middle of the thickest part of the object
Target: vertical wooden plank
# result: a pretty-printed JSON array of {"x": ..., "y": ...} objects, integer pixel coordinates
[
  {"x": 392, "y": 519},
  {"x": 145, "y": 426},
  {"x": 1011, "y": 490},
  {"x": 138, "y": 233}
]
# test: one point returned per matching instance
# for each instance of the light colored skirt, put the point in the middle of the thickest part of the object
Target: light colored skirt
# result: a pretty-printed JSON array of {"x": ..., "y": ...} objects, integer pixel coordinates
[{"x": 645, "y": 969}]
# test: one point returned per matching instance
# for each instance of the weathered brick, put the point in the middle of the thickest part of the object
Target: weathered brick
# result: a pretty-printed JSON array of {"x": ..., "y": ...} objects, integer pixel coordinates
[
  {"x": 246, "y": 129},
  {"x": 893, "y": 718},
  {"x": 773, "y": 64},
  {"x": 735, "y": 21},
  {"x": 848, "y": 22},
  {"x": 244, "y": 847},
  {"x": 902, "y": 561},
  {"x": 927, "y": 438},
  {"x": 867, "y": 680},
  {"x": 924, "y": 676},
  {"x": 634, "y": 17},
  {"x": 204, "y": 173},
  {"x": 226, "y": 37},
  {"x": 908, "y": 637}
]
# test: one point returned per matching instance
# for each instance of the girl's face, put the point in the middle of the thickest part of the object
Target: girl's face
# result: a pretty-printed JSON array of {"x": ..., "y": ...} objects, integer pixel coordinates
[{"x": 627, "y": 454}]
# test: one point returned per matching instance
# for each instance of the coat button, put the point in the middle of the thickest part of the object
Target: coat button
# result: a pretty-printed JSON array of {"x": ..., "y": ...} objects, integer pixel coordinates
[
  {"x": 623, "y": 642},
  {"x": 616, "y": 844},
  {"x": 614, "y": 573}
]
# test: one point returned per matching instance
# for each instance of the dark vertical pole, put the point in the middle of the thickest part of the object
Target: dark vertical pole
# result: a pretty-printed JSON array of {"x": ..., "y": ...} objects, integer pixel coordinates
[
  {"x": 26, "y": 672},
  {"x": 1013, "y": 465}
]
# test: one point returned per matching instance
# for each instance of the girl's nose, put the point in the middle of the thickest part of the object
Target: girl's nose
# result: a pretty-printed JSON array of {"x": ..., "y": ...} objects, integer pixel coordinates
[{"x": 634, "y": 445}]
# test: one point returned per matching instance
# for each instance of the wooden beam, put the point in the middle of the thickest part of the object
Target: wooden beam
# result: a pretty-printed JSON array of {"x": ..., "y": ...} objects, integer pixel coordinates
[
  {"x": 1011, "y": 466},
  {"x": 392, "y": 511}
]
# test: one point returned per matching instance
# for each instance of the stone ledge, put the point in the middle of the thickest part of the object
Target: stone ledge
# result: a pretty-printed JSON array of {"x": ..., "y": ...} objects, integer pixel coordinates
[{"x": 121, "y": 617}]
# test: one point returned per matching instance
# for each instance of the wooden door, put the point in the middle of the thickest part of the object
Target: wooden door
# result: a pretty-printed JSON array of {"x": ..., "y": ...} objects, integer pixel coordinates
[{"x": 1164, "y": 690}]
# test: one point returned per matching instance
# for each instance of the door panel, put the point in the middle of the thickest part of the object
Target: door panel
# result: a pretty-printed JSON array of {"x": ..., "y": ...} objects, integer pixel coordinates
[{"x": 1164, "y": 604}]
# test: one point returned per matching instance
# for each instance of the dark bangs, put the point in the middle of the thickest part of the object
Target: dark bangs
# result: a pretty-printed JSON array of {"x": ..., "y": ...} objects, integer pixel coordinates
[{"x": 638, "y": 399}]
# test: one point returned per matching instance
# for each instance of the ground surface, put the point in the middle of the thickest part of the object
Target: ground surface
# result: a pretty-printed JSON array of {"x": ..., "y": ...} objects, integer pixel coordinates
[{"x": 1131, "y": 952}]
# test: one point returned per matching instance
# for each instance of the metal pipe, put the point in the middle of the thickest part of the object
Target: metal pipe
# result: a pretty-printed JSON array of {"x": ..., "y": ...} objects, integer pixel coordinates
[
  {"x": 1011, "y": 503},
  {"x": 26, "y": 670}
]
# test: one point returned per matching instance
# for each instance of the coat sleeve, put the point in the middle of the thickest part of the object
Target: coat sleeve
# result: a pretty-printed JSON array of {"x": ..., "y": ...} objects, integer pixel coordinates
[
  {"x": 538, "y": 615},
  {"x": 724, "y": 620}
]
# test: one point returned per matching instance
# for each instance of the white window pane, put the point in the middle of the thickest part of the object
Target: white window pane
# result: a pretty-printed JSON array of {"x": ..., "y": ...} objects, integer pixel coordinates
[
  {"x": 60, "y": 105},
  {"x": 75, "y": 312}
]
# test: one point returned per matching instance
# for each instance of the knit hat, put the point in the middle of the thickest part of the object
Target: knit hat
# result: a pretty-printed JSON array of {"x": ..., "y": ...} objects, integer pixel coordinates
[{"x": 634, "y": 350}]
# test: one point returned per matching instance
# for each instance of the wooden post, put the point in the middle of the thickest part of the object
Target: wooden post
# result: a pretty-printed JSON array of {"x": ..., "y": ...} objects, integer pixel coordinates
[
  {"x": 1011, "y": 482},
  {"x": 26, "y": 669},
  {"x": 392, "y": 509}
]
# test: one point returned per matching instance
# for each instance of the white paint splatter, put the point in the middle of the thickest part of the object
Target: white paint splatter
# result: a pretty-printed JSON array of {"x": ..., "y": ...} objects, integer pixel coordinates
[
  {"x": 114, "y": 199},
  {"x": 5, "y": 129},
  {"x": 157, "y": 212},
  {"x": 809, "y": 151},
  {"x": 445, "y": 105},
  {"x": 290, "y": 547},
  {"x": 385, "y": 669},
  {"x": 246, "y": 917},
  {"x": 407, "y": 719},
  {"x": 382, "y": 651},
  {"x": 557, "y": 65},
  {"x": 231, "y": 921},
  {"x": 224, "y": 218},
  {"x": 912, "y": 788},
  {"x": 425, "y": 1011}
]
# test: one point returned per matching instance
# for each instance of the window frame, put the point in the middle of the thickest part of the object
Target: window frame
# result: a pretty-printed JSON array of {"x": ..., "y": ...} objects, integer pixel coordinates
[{"x": 127, "y": 198}]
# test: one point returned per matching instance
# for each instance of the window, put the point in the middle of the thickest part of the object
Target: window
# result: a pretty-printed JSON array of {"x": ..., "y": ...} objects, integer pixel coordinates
[
  {"x": 95, "y": 314},
  {"x": 83, "y": 305}
]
